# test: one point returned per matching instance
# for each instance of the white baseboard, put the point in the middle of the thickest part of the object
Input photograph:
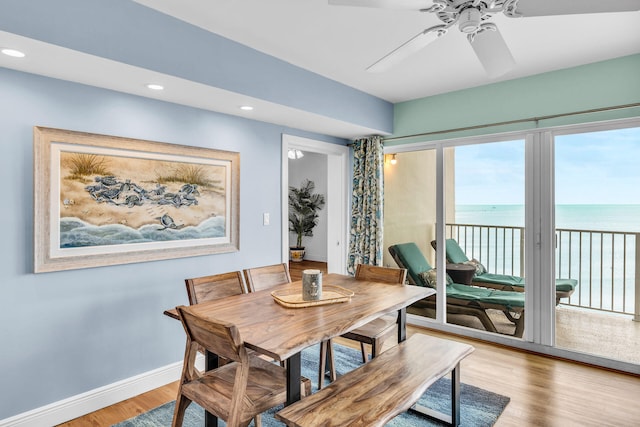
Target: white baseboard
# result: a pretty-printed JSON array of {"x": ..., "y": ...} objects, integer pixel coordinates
[{"x": 82, "y": 404}]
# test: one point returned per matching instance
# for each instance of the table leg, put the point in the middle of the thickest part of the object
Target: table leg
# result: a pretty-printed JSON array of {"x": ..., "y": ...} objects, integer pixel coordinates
[
  {"x": 402, "y": 324},
  {"x": 453, "y": 419},
  {"x": 455, "y": 396},
  {"x": 293, "y": 379},
  {"x": 210, "y": 362}
]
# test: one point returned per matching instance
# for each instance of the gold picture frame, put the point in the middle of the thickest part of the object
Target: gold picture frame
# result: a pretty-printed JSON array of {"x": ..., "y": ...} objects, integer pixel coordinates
[{"x": 105, "y": 200}]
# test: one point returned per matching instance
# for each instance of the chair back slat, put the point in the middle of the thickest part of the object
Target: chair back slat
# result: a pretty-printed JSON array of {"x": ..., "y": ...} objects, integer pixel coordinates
[
  {"x": 260, "y": 278},
  {"x": 216, "y": 286},
  {"x": 218, "y": 337},
  {"x": 381, "y": 274}
]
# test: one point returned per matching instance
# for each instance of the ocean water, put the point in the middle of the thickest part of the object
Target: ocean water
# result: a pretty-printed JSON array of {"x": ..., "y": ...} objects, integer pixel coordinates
[
  {"x": 603, "y": 263},
  {"x": 621, "y": 218},
  {"x": 75, "y": 233}
]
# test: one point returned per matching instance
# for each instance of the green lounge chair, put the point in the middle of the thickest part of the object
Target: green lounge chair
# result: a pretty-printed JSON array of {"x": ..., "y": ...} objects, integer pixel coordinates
[
  {"x": 455, "y": 255},
  {"x": 461, "y": 299}
]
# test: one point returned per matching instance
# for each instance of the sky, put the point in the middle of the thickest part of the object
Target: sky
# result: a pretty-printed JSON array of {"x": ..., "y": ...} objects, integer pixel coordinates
[{"x": 591, "y": 168}]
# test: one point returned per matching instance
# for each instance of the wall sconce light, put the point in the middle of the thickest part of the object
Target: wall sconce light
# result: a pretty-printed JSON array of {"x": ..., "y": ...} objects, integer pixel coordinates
[{"x": 393, "y": 160}]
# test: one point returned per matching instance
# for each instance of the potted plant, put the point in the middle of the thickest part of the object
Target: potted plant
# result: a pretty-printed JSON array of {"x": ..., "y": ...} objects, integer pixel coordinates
[{"x": 303, "y": 215}]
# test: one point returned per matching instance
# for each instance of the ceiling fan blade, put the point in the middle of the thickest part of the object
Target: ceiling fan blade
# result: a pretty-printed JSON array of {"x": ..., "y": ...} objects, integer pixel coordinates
[
  {"x": 407, "y": 49},
  {"x": 572, "y": 7},
  {"x": 385, "y": 4},
  {"x": 493, "y": 52}
]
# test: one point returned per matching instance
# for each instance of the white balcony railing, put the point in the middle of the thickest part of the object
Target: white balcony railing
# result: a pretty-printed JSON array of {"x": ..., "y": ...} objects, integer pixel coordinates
[{"x": 606, "y": 264}]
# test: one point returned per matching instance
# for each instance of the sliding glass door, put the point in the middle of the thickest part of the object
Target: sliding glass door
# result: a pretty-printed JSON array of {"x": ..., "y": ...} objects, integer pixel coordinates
[
  {"x": 552, "y": 214},
  {"x": 483, "y": 213}
]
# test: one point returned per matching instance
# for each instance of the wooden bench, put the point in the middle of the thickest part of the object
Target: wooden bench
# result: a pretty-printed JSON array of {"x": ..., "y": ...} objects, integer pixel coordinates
[{"x": 388, "y": 385}]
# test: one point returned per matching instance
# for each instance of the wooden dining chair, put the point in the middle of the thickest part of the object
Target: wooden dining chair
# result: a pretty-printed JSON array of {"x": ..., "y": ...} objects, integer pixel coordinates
[
  {"x": 373, "y": 333},
  {"x": 259, "y": 278},
  {"x": 208, "y": 288},
  {"x": 236, "y": 392}
]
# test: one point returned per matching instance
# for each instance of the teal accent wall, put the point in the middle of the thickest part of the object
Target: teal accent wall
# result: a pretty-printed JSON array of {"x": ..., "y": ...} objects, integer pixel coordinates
[{"x": 598, "y": 85}]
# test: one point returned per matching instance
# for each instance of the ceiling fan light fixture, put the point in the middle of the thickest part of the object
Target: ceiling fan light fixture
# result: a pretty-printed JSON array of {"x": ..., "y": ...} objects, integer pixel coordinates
[
  {"x": 295, "y": 154},
  {"x": 469, "y": 20},
  {"x": 473, "y": 18}
]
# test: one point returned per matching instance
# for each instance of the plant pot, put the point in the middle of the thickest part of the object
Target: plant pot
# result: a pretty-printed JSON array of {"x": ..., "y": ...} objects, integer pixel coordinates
[{"x": 296, "y": 254}]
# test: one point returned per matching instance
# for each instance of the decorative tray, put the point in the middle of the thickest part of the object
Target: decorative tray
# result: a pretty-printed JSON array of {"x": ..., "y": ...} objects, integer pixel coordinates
[{"x": 292, "y": 298}]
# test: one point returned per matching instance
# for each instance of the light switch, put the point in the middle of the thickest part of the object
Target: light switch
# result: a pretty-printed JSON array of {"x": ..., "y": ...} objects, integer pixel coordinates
[{"x": 265, "y": 218}]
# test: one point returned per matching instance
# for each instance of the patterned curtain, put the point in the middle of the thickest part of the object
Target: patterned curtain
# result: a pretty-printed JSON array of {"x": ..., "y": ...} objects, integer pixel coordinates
[{"x": 365, "y": 243}]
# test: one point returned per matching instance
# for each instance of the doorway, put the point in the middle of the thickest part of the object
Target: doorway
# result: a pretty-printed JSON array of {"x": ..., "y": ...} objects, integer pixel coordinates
[{"x": 337, "y": 198}]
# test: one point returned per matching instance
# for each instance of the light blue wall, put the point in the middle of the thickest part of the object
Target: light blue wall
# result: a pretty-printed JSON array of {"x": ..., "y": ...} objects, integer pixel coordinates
[
  {"x": 128, "y": 32},
  {"x": 602, "y": 84},
  {"x": 70, "y": 332}
]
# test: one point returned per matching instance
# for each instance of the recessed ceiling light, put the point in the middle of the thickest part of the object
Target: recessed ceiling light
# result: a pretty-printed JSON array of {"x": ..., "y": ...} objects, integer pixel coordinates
[
  {"x": 246, "y": 108},
  {"x": 13, "y": 52},
  {"x": 154, "y": 86}
]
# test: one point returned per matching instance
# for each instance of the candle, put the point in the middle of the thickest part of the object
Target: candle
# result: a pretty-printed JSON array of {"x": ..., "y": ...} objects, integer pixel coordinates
[{"x": 311, "y": 285}]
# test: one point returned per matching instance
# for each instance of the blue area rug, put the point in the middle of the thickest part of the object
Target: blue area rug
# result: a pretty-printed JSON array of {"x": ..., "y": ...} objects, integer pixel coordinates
[{"x": 478, "y": 407}]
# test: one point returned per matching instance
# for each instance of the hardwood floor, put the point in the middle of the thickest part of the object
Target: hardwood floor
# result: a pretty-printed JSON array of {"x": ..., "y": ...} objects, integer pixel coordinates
[
  {"x": 543, "y": 391},
  {"x": 127, "y": 408}
]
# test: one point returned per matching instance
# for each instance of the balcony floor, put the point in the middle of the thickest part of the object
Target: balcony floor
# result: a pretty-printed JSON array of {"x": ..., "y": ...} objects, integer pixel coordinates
[
  {"x": 609, "y": 335},
  {"x": 594, "y": 332}
]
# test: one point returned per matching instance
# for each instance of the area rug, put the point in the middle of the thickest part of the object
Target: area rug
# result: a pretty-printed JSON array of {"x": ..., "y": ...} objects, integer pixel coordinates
[{"x": 478, "y": 407}]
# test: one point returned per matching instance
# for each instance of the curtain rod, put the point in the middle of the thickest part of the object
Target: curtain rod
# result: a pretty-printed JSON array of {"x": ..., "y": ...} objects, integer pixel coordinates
[{"x": 510, "y": 122}]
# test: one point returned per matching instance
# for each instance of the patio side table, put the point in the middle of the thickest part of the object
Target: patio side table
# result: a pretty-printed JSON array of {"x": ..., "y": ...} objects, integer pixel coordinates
[{"x": 461, "y": 273}]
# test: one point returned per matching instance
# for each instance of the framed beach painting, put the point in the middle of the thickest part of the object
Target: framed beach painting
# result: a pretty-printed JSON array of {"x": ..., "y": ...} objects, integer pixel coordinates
[{"x": 105, "y": 200}]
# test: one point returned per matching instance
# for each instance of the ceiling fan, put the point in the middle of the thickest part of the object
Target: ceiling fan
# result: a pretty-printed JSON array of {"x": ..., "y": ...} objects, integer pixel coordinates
[{"x": 473, "y": 19}]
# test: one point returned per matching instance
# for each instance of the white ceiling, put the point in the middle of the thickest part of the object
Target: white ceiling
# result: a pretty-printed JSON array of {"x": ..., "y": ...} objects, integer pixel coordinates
[{"x": 339, "y": 43}]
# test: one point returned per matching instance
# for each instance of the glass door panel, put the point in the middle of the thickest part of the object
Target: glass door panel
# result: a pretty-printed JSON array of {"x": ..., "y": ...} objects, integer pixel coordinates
[
  {"x": 484, "y": 214},
  {"x": 410, "y": 210},
  {"x": 597, "y": 217},
  {"x": 485, "y": 225}
]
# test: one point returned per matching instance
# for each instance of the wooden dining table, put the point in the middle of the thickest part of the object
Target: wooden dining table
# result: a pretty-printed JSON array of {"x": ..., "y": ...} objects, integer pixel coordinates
[{"x": 282, "y": 332}]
